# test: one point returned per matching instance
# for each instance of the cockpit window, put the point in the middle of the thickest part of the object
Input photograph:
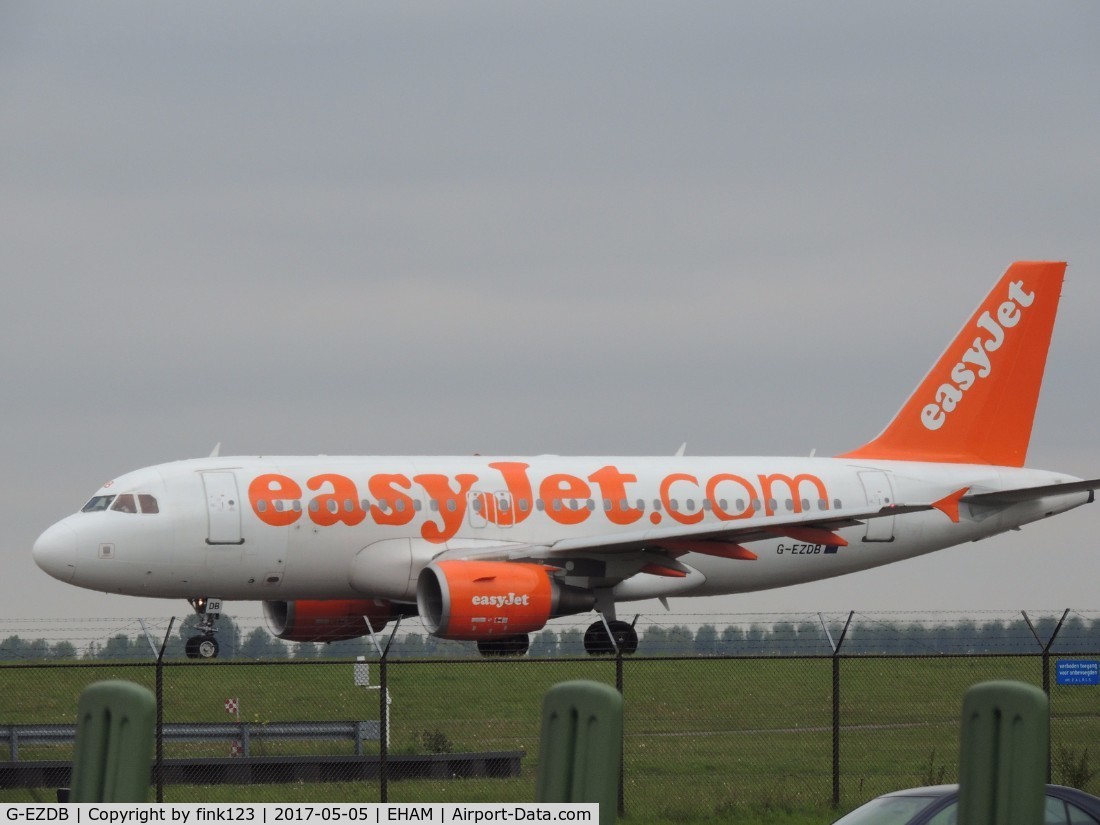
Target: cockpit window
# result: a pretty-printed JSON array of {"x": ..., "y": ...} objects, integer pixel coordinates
[
  {"x": 125, "y": 504},
  {"x": 97, "y": 504}
]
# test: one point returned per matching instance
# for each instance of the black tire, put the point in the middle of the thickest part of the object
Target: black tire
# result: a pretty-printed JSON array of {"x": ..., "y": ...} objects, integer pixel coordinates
[
  {"x": 207, "y": 647},
  {"x": 598, "y": 643},
  {"x": 191, "y": 648}
]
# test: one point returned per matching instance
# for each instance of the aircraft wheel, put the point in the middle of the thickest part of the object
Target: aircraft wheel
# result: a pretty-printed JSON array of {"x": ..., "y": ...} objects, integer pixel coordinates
[
  {"x": 207, "y": 647},
  {"x": 191, "y": 648},
  {"x": 598, "y": 643},
  {"x": 504, "y": 645}
]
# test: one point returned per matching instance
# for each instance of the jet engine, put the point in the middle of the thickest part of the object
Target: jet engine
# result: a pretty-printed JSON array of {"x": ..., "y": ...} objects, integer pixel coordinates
[
  {"x": 329, "y": 620},
  {"x": 479, "y": 599}
]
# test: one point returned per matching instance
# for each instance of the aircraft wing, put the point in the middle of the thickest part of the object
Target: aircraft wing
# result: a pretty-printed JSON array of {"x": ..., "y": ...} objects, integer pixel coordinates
[{"x": 723, "y": 539}]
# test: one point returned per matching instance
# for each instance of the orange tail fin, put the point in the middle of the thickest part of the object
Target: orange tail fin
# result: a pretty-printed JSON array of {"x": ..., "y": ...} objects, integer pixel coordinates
[{"x": 977, "y": 404}]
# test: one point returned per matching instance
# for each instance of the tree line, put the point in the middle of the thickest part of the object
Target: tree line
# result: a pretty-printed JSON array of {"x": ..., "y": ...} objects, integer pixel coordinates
[{"x": 865, "y": 636}]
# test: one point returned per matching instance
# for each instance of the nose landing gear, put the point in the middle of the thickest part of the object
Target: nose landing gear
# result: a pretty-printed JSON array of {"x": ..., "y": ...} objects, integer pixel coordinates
[{"x": 204, "y": 645}]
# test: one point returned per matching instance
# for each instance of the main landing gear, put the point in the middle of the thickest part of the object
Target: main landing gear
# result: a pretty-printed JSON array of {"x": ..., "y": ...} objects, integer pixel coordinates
[
  {"x": 623, "y": 637},
  {"x": 204, "y": 646},
  {"x": 608, "y": 636}
]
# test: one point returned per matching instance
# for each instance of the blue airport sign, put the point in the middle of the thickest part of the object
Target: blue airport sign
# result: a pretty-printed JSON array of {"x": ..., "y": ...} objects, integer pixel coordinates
[{"x": 1078, "y": 672}]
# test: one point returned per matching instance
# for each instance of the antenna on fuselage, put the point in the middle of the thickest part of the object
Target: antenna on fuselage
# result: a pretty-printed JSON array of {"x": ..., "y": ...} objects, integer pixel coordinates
[
  {"x": 680, "y": 452},
  {"x": 217, "y": 451}
]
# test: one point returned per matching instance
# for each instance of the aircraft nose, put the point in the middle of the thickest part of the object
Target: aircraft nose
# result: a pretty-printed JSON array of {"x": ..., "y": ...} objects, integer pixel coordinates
[{"x": 55, "y": 552}]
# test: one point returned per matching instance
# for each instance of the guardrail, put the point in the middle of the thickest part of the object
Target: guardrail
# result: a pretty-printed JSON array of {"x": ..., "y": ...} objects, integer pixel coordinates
[
  {"x": 244, "y": 733},
  {"x": 287, "y": 769}
]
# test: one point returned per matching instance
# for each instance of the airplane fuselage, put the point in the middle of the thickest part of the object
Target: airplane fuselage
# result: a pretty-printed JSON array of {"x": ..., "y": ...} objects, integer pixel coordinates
[{"x": 351, "y": 527}]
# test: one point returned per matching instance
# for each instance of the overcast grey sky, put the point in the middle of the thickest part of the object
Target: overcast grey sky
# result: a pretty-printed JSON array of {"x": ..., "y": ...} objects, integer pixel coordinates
[{"x": 573, "y": 227}]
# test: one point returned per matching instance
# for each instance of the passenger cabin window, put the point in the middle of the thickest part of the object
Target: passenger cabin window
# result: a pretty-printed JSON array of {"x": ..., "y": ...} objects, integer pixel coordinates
[{"x": 97, "y": 504}]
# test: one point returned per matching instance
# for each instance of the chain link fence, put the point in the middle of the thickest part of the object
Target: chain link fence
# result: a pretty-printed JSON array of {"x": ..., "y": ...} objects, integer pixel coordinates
[{"x": 722, "y": 712}]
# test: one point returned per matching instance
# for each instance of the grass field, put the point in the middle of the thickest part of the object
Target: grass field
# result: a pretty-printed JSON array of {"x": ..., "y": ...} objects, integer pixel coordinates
[{"x": 745, "y": 740}]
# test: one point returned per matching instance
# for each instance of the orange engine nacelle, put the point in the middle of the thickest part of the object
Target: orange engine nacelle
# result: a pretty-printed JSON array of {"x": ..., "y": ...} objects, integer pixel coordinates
[
  {"x": 329, "y": 620},
  {"x": 478, "y": 599}
]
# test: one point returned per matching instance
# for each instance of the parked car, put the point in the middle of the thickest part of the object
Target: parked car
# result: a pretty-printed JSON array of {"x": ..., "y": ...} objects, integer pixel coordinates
[{"x": 938, "y": 805}]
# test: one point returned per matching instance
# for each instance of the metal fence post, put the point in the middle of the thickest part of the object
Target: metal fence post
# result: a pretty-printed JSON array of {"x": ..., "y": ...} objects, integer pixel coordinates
[
  {"x": 159, "y": 758},
  {"x": 836, "y": 703},
  {"x": 383, "y": 708},
  {"x": 383, "y": 731},
  {"x": 1046, "y": 646},
  {"x": 622, "y": 730}
]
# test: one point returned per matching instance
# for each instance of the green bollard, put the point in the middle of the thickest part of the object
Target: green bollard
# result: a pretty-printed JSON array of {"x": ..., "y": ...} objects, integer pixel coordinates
[
  {"x": 580, "y": 747},
  {"x": 1003, "y": 754},
  {"x": 115, "y": 725}
]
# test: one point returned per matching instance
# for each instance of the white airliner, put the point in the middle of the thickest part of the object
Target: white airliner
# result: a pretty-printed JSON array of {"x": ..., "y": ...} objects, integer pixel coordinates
[{"x": 490, "y": 549}]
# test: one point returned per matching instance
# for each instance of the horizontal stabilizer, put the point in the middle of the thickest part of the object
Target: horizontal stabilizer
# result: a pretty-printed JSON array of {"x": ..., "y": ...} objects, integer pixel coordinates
[{"x": 1032, "y": 493}]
